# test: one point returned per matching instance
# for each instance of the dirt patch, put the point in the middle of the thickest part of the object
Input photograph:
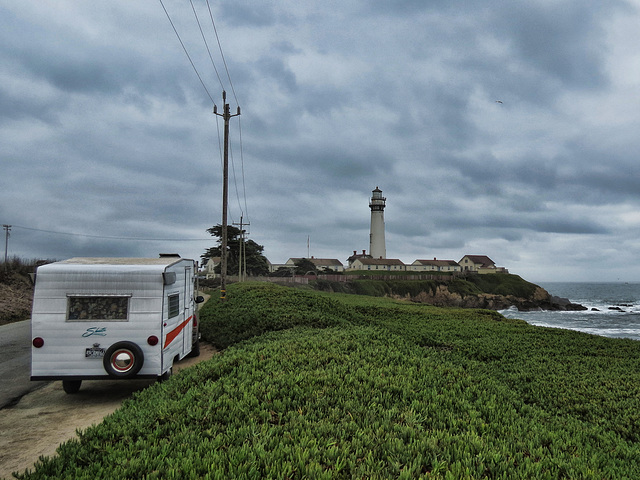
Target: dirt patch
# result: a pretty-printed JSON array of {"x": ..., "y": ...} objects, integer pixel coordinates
[
  {"x": 16, "y": 297},
  {"x": 44, "y": 419}
]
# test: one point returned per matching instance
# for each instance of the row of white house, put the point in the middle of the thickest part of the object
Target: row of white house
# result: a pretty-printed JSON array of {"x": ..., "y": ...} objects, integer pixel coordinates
[
  {"x": 474, "y": 263},
  {"x": 470, "y": 263}
]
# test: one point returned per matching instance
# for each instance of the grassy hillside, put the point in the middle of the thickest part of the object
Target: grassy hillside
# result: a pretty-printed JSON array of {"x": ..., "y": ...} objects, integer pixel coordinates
[
  {"x": 471, "y": 285},
  {"x": 314, "y": 385}
]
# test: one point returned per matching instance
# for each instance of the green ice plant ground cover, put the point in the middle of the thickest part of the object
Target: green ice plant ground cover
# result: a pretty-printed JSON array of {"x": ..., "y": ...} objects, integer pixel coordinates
[{"x": 339, "y": 386}]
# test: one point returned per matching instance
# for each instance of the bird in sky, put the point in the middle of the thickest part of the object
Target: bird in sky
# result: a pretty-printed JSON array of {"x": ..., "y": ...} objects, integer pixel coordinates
[{"x": 498, "y": 101}]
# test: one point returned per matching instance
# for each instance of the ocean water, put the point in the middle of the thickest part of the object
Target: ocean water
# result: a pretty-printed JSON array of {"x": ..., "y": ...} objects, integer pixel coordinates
[{"x": 601, "y": 296}]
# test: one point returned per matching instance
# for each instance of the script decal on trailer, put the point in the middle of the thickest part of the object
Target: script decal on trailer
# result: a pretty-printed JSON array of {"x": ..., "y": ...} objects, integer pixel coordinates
[{"x": 100, "y": 331}]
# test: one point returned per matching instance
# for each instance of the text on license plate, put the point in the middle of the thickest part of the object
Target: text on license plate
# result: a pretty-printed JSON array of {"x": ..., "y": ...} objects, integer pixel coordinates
[{"x": 94, "y": 352}]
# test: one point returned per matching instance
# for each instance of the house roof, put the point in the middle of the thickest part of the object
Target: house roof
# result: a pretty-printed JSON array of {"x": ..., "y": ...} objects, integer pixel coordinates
[
  {"x": 356, "y": 255},
  {"x": 320, "y": 262},
  {"x": 481, "y": 259},
  {"x": 119, "y": 261},
  {"x": 438, "y": 263},
  {"x": 380, "y": 261},
  {"x": 325, "y": 262},
  {"x": 205, "y": 260}
]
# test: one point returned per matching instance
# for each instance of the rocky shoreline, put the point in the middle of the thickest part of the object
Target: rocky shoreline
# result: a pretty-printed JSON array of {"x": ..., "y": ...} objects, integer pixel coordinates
[{"x": 540, "y": 300}]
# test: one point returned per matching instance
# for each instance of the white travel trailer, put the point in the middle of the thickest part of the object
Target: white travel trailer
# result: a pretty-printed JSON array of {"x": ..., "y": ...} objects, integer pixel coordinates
[{"x": 112, "y": 318}]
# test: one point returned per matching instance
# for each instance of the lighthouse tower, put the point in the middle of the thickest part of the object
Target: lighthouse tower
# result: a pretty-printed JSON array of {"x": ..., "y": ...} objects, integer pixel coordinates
[{"x": 377, "y": 248}]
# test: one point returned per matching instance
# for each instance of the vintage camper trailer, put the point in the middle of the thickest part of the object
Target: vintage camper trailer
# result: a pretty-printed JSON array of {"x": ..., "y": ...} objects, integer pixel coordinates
[{"x": 96, "y": 318}]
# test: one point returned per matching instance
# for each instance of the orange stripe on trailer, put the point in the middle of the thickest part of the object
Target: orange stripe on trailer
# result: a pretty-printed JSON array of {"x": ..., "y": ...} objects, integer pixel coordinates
[{"x": 171, "y": 336}]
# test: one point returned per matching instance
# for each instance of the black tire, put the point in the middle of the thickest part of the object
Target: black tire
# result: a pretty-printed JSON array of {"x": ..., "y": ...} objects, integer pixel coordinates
[
  {"x": 195, "y": 350},
  {"x": 123, "y": 360},
  {"x": 71, "y": 386}
]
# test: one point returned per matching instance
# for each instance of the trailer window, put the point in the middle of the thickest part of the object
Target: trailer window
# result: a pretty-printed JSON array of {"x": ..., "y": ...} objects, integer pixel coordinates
[
  {"x": 87, "y": 308},
  {"x": 174, "y": 305}
]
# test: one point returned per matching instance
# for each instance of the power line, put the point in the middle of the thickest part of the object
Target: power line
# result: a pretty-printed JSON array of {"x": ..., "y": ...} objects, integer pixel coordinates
[
  {"x": 206, "y": 44},
  {"x": 113, "y": 237},
  {"x": 220, "y": 149},
  {"x": 222, "y": 54},
  {"x": 242, "y": 211},
  {"x": 235, "y": 182},
  {"x": 244, "y": 187},
  {"x": 224, "y": 61},
  {"x": 187, "y": 53}
]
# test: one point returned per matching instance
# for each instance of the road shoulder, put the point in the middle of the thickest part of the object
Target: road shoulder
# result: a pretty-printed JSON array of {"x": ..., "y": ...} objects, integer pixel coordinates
[{"x": 47, "y": 417}]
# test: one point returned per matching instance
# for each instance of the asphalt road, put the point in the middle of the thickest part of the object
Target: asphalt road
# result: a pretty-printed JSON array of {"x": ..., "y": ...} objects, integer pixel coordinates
[{"x": 15, "y": 362}]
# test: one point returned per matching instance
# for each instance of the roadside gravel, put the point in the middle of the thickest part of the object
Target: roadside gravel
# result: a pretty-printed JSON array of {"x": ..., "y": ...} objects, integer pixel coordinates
[{"x": 47, "y": 417}]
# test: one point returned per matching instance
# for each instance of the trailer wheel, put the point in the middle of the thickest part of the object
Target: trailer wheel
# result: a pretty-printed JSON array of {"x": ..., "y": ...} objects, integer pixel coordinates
[
  {"x": 71, "y": 386},
  {"x": 123, "y": 359}
]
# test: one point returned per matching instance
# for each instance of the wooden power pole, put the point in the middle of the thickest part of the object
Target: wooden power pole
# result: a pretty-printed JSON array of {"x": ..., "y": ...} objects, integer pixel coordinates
[
  {"x": 226, "y": 115},
  {"x": 242, "y": 252},
  {"x": 7, "y": 229}
]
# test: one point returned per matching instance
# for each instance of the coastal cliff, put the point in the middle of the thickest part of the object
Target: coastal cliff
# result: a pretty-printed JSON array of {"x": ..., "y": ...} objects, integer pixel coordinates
[
  {"x": 493, "y": 292},
  {"x": 540, "y": 300}
]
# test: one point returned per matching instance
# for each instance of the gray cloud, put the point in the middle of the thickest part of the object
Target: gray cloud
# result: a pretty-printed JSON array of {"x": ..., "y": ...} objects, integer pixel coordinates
[{"x": 106, "y": 130}]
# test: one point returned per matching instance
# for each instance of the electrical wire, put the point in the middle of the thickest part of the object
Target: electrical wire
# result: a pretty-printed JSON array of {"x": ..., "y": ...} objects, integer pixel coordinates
[
  {"x": 224, "y": 61},
  {"x": 220, "y": 148},
  {"x": 221, "y": 53},
  {"x": 113, "y": 237},
  {"x": 206, "y": 44},
  {"x": 244, "y": 187},
  {"x": 243, "y": 211},
  {"x": 235, "y": 182},
  {"x": 187, "y": 53}
]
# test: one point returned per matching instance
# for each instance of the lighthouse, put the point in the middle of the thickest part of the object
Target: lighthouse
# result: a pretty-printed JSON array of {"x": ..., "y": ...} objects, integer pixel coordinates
[{"x": 377, "y": 248}]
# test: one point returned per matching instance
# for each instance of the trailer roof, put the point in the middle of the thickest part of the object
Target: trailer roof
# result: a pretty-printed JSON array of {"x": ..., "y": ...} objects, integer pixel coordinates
[{"x": 121, "y": 261}]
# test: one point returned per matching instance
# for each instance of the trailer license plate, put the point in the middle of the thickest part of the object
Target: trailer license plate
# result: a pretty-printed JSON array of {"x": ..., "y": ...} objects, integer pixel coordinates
[{"x": 94, "y": 352}]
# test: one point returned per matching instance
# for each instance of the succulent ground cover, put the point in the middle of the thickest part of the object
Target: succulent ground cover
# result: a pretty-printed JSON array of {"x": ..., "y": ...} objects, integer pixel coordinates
[{"x": 314, "y": 385}]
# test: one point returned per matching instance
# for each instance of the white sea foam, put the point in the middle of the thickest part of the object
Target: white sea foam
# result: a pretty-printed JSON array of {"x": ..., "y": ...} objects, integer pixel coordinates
[{"x": 613, "y": 310}]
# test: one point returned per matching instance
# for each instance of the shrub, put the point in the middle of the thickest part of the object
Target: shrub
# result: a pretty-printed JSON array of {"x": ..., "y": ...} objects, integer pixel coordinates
[
  {"x": 252, "y": 309},
  {"x": 342, "y": 402},
  {"x": 382, "y": 389},
  {"x": 19, "y": 266},
  {"x": 503, "y": 284}
]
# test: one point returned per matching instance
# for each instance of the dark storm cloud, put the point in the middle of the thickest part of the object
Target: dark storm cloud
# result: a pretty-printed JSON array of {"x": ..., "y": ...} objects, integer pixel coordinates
[
  {"x": 106, "y": 129},
  {"x": 539, "y": 173},
  {"x": 248, "y": 14},
  {"x": 564, "y": 40}
]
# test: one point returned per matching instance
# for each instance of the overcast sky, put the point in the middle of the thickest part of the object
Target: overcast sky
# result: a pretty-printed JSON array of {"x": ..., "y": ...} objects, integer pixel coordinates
[{"x": 500, "y": 127}]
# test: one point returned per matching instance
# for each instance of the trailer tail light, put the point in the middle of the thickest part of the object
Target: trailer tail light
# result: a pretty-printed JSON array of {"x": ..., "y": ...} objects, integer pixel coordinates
[
  {"x": 152, "y": 340},
  {"x": 38, "y": 342}
]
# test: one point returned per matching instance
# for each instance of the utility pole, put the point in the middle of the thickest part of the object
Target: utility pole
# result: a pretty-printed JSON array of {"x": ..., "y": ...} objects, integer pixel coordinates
[
  {"x": 242, "y": 252},
  {"x": 7, "y": 229},
  {"x": 226, "y": 115}
]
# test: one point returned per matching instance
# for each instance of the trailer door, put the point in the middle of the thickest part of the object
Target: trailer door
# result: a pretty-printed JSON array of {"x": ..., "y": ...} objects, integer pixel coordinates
[
  {"x": 187, "y": 339},
  {"x": 172, "y": 328}
]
